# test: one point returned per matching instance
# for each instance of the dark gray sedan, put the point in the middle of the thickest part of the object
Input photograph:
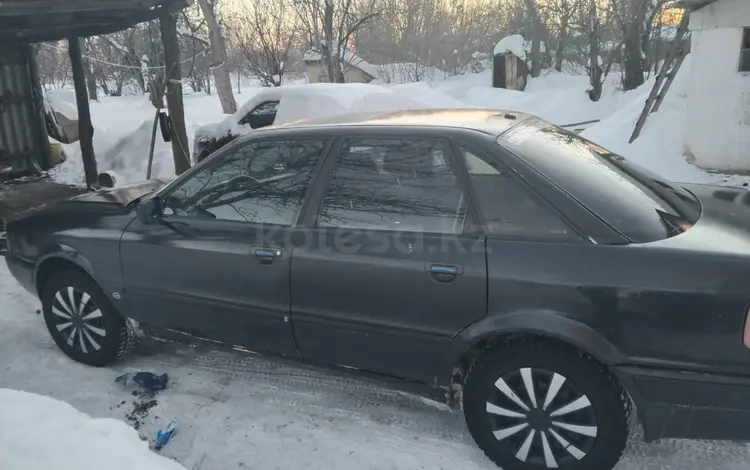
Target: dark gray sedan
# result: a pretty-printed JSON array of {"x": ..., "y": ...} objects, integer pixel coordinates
[{"x": 546, "y": 284}]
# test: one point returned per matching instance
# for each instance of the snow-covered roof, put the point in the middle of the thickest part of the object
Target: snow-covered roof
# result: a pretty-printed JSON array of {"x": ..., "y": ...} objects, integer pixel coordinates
[
  {"x": 515, "y": 44},
  {"x": 316, "y": 100},
  {"x": 349, "y": 58}
]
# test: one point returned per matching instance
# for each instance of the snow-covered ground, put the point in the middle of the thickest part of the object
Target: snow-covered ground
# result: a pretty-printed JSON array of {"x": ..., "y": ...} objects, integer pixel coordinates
[
  {"x": 40, "y": 433},
  {"x": 236, "y": 411}
]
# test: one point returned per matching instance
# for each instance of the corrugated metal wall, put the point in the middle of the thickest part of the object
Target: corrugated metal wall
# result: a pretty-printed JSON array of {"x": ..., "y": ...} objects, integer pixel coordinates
[{"x": 19, "y": 144}]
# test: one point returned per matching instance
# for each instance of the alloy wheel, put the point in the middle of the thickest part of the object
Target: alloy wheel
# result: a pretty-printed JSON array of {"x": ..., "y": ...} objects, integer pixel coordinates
[
  {"x": 78, "y": 320},
  {"x": 541, "y": 418}
]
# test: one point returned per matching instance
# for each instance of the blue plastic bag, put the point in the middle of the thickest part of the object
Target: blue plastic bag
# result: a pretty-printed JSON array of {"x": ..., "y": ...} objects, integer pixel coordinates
[
  {"x": 146, "y": 380},
  {"x": 164, "y": 435}
]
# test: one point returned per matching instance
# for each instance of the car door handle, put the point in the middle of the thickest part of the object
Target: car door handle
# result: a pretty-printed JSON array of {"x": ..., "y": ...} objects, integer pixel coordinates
[
  {"x": 267, "y": 255},
  {"x": 444, "y": 272}
]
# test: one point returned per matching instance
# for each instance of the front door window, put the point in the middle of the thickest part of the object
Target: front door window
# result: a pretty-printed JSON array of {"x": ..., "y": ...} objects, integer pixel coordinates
[{"x": 262, "y": 182}]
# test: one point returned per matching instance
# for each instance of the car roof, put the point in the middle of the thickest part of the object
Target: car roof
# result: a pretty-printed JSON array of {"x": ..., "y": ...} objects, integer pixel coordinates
[{"x": 489, "y": 121}]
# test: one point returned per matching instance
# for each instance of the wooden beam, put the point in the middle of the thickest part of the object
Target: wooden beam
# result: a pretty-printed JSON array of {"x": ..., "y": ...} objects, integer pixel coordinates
[
  {"x": 43, "y": 26},
  {"x": 85, "y": 129},
  {"x": 31, "y": 7},
  {"x": 180, "y": 152}
]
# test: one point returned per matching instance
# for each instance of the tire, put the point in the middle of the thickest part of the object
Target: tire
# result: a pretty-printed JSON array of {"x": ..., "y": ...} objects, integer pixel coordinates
[
  {"x": 520, "y": 433},
  {"x": 91, "y": 331}
]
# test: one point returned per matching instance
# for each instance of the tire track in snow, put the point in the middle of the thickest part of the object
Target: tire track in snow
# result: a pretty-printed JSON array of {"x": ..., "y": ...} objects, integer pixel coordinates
[{"x": 321, "y": 392}]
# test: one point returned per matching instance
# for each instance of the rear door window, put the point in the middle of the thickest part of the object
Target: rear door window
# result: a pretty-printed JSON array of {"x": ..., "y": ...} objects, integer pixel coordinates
[
  {"x": 394, "y": 185},
  {"x": 508, "y": 208}
]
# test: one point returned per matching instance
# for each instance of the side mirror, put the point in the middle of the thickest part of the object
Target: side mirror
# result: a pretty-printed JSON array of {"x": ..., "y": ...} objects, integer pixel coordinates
[{"x": 149, "y": 210}]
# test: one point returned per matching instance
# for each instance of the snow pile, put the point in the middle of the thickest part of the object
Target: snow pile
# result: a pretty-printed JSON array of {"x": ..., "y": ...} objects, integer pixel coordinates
[
  {"x": 660, "y": 145},
  {"x": 63, "y": 101},
  {"x": 408, "y": 72},
  {"x": 122, "y": 136},
  {"x": 123, "y": 125},
  {"x": 40, "y": 433},
  {"x": 556, "y": 97}
]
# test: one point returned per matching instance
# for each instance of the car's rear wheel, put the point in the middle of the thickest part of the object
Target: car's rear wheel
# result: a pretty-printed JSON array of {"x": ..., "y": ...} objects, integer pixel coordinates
[
  {"x": 533, "y": 404},
  {"x": 82, "y": 321}
]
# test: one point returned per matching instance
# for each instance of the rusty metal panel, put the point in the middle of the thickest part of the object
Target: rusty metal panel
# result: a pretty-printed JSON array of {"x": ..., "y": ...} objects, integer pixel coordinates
[{"x": 19, "y": 147}]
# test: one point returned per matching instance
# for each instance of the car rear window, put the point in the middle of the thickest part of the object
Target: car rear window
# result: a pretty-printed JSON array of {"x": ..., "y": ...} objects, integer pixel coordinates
[{"x": 639, "y": 204}]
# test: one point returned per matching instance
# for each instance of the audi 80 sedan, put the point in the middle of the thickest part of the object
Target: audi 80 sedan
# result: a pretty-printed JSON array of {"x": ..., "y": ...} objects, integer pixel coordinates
[{"x": 549, "y": 286}]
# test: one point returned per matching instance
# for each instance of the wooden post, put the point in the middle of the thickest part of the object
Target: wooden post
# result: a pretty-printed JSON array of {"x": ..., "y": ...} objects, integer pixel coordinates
[
  {"x": 85, "y": 129},
  {"x": 168, "y": 25}
]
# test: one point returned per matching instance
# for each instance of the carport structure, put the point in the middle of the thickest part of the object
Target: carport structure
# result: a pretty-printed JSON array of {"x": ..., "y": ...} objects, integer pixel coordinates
[{"x": 23, "y": 134}]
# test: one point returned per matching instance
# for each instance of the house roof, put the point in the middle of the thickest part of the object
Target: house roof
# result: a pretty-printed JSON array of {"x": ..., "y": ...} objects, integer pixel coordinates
[
  {"x": 351, "y": 59},
  {"x": 693, "y": 4},
  {"x": 48, "y": 20}
]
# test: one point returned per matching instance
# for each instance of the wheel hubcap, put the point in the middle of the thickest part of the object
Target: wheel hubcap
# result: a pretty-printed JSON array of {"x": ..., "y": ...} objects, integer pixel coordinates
[
  {"x": 78, "y": 320},
  {"x": 541, "y": 417}
]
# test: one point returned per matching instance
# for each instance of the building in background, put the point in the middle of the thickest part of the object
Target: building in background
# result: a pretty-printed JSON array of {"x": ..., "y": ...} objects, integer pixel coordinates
[
  {"x": 356, "y": 69},
  {"x": 717, "y": 129}
]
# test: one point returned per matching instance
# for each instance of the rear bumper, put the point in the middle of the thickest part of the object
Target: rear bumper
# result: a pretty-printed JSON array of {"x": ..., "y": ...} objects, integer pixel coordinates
[
  {"x": 22, "y": 270},
  {"x": 681, "y": 404}
]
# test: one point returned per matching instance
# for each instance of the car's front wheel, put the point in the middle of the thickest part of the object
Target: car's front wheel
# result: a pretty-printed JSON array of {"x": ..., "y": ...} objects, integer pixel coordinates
[
  {"x": 82, "y": 321},
  {"x": 533, "y": 404}
]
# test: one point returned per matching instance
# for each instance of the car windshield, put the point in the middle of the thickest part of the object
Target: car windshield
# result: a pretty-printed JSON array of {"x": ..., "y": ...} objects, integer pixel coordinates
[{"x": 639, "y": 204}]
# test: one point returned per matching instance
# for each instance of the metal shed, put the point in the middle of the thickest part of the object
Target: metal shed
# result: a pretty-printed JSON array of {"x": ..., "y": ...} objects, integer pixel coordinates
[
  {"x": 23, "y": 137},
  {"x": 23, "y": 134}
]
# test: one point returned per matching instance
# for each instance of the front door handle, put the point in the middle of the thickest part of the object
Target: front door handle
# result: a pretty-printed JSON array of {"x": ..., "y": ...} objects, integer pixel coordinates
[
  {"x": 267, "y": 255},
  {"x": 444, "y": 272}
]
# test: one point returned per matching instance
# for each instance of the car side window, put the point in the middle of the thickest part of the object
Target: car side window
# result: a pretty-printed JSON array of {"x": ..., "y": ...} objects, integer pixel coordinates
[
  {"x": 261, "y": 116},
  {"x": 261, "y": 182},
  {"x": 394, "y": 184},
  {"x": 509, "y": 208}
]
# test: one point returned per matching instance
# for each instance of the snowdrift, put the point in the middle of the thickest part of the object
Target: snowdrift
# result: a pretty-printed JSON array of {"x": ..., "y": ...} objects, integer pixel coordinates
[
  {"x": 557, "y": 97},
  {"x": 40, "y": 433}
]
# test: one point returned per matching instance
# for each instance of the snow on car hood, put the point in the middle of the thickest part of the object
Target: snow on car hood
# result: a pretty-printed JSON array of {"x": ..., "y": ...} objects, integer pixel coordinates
[{"x": 320, "y": 100}]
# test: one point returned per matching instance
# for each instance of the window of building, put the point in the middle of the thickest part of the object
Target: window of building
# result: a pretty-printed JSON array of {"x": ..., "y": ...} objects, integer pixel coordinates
[
  {"x": 399, "y": 185},
  {"x": 745, "y": 59}
]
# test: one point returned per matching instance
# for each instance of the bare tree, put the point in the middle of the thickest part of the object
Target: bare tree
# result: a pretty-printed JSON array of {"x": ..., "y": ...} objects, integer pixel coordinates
[
  {"x": 562, "y": 9},
  {"x": 54, "y": 66},
  {"x": 219, "y": 57},
  {"x": 634, "y": 18},
  {"x": 536, "y": 20},
  {"x": 595, "y": 65},
  {"x": 265, "y": 39},
  {"x": 330, "y": 26}
]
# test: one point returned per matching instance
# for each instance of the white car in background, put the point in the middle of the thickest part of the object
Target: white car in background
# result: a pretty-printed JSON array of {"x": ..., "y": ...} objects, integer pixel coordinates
[{"x": 295, "y": 102}]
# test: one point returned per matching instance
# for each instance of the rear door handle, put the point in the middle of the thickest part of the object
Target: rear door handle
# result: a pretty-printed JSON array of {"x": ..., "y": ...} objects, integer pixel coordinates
[
  {"x": 444, "y": 272},
  {"x": 267, "y": 255}
]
